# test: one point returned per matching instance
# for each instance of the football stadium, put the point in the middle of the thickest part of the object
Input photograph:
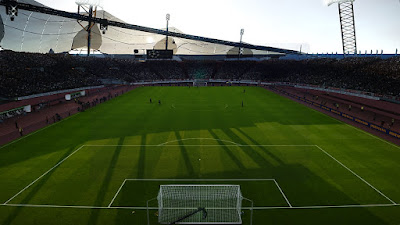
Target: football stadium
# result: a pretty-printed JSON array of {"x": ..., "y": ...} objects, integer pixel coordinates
[{"x": 107, "y": 122}]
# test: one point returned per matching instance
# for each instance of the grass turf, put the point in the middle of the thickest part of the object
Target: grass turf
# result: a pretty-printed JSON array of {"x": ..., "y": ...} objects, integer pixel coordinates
[{"x": 199, "y": 133}]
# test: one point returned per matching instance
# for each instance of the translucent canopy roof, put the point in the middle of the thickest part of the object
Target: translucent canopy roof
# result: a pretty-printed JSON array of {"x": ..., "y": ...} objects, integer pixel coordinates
[{"x": 37, "y": 32}]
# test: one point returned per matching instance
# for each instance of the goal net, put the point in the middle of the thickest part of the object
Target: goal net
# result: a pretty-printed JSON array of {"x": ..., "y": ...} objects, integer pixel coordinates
[
  {"x": 200, "y": 83},
  {"x": 199, "y": 204}
]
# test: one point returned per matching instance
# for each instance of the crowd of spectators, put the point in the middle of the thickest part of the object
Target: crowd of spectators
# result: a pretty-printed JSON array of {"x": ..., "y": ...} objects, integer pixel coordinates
[
  {"x": 234, "y": 71},
  {"x": 199, "y": 69},
  {"x": 380, "y": 76},
  {"x": 30, "y": 73}
]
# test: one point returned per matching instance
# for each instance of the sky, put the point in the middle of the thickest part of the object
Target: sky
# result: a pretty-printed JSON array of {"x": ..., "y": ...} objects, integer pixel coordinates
[{"x": 309, "y": 24}]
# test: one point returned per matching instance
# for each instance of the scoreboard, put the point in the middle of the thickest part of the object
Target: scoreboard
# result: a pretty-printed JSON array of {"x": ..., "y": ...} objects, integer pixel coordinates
[{"x": 159, "y": 54}]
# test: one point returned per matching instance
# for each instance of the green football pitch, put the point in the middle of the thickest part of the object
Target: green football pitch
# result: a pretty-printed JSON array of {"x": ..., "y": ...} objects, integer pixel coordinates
[{"x": 298, "y": 166}]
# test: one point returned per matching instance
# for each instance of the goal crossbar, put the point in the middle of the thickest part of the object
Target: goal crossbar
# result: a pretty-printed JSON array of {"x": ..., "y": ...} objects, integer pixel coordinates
[
  {"x": 221, "y": 203},
  {"x": 200, "y": 83}
]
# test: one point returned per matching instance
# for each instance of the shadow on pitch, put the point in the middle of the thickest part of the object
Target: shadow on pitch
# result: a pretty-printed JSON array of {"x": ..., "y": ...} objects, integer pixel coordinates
[
  {"x": 254, "y": 142},
  {"x": 142, "y": 158},
  {"x": 232, "y": 156},
  {"x": 301, "y": 186},
  {"x": 36, "y": 188},
  {"x": 106, "y": 182},
  {"x": 159, "y": 119},
  {"x": 185, "y": 155},
  {"x": 257, "y": 157}
]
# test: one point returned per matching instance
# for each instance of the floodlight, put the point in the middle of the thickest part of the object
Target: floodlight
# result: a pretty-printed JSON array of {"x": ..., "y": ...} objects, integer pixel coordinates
[
  {"x": 330, "y": 2},
  {"x": 12, "y": 11},
  {"x": 90, "y": 7},
  {"x": 90, "y": 2},
  {"x": 347, "y": 24}
]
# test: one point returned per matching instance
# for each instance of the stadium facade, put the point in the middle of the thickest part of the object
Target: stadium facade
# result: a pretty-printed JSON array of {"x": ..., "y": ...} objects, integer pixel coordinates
[{"x": 37, "y": 32}]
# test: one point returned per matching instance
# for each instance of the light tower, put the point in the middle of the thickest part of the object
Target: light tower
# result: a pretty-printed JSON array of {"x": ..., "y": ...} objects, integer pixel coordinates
[
  {"x": 168, "y": 17},
  {"x": 241, "y": 39},
  {"x": 347, "y": 24},
  {"x": 89, "y": 7},
  {"x": 11, "y": 9}
]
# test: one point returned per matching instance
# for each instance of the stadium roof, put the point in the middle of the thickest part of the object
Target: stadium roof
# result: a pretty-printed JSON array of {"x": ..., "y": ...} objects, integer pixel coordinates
[{"x": 37, "y": 32}]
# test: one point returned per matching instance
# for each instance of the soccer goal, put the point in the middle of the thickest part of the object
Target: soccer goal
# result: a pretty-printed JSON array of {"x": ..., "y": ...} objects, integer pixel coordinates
[
  {"x": 200, "y": 204},
  {"x": 200, "y": 83}
]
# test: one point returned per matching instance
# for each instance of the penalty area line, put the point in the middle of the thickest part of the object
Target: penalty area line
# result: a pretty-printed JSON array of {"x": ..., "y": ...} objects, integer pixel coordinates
[
  {"x": 234, "y": 145},
  {"x": 44, "y": 174},
  {"x": 155, "y": 208},
  {"x": 186, "y": 139},
  {"x": 72, "y": 206},
  {"x": 355, "y": 174},
  {"x": 327, "y": 206},
  {"x": 343, "y": 122}
]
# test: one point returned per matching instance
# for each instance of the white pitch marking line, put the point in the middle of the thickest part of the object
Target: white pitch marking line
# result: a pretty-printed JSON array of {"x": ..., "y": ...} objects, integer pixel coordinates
[
  {"x": 199, "y": 180},
  {"x": 186, "y": 139},
  {"x": 200, "y": 145},
  {"x": 394, "y": 203},
  {"x": 75, "y": 206},
  {"x": 358, "y": 129},
  {"x": 290, "y": 207},
  {"x": 327, "y": 206},
  {"x": 363, "y": 131},
  {"x": 116, "y": 194},
  {"x": 277, "y": 145},
  {"x": 283, "y": 194},
  {"x": 44, "y": 174},
  {"x": 154, "y": 208},
  {"x": 56, "y": 206}
]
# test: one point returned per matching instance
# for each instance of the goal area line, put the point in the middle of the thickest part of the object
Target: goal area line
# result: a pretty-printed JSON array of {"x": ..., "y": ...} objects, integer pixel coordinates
[{"x": 201, "y": 180}]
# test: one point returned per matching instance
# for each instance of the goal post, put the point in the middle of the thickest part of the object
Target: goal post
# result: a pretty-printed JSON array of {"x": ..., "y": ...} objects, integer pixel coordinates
[
  {"x": 200, "y": 83},
  {"x": 200, "y": 204}
]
